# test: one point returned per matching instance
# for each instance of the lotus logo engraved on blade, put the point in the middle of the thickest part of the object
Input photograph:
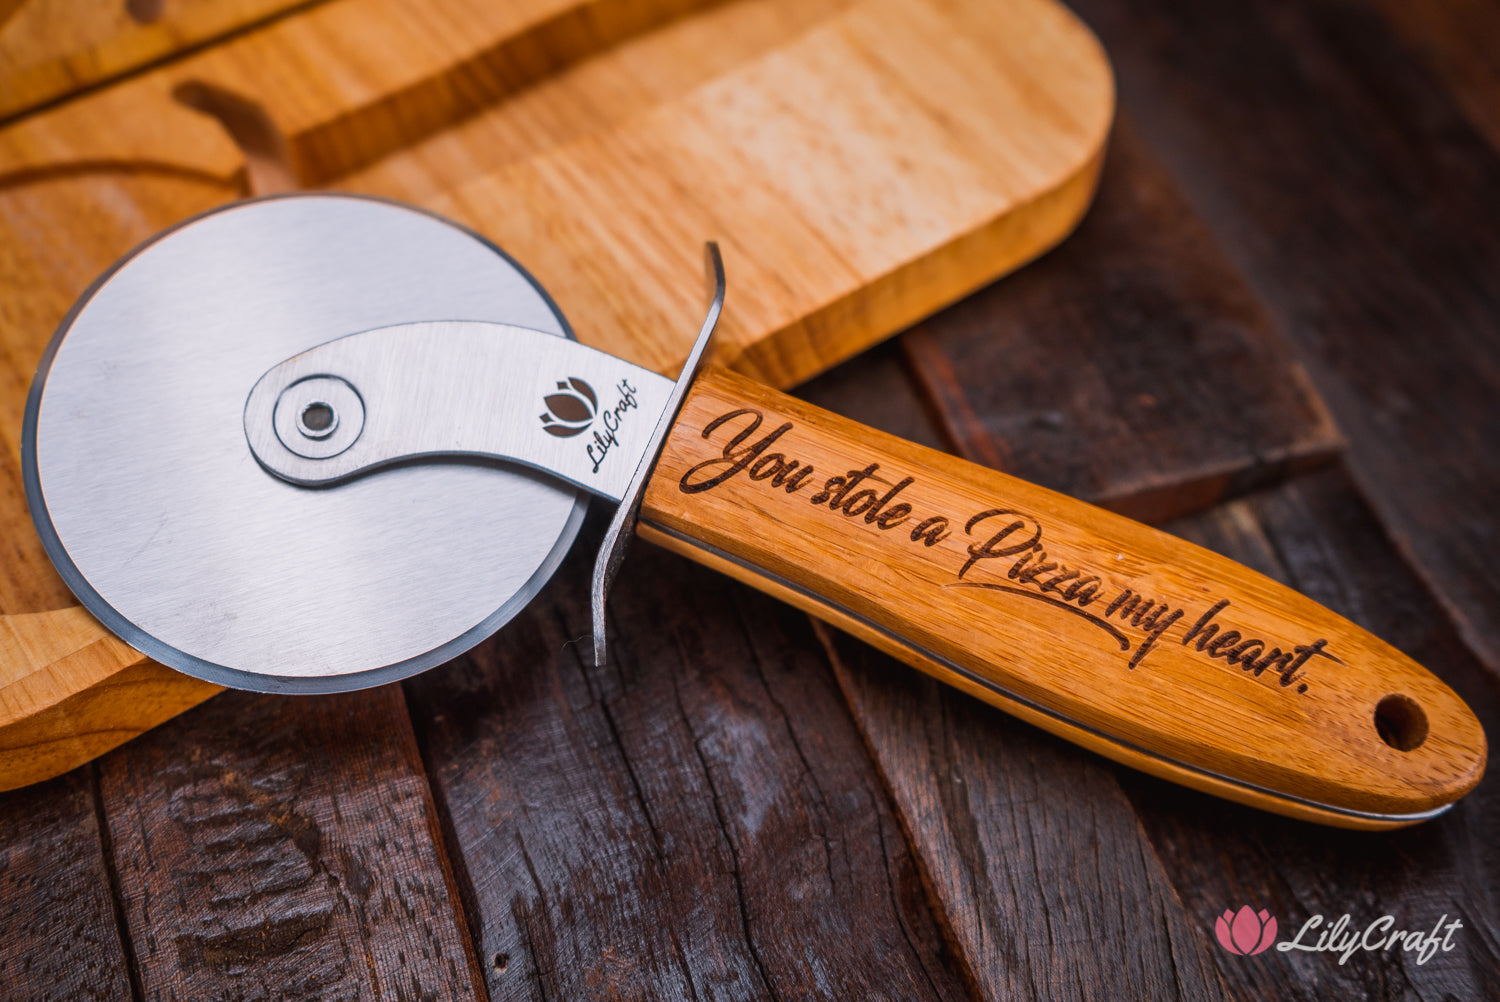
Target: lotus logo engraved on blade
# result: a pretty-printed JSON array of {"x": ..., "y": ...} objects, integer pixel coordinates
[{"x": 571, "y": 409}]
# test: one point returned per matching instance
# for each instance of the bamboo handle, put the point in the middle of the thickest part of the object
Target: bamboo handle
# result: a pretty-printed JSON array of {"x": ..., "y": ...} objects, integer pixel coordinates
[{"x": 1136, "y": 644}]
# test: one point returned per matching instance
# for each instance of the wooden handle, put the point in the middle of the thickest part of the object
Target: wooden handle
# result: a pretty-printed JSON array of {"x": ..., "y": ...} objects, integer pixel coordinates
[{"x": 1136, "y": 644}]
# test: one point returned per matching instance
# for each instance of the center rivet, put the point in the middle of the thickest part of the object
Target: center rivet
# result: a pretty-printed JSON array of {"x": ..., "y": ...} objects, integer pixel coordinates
[
  {"x": 318, "y": 417},
  {"x": 318, "y": 420}
]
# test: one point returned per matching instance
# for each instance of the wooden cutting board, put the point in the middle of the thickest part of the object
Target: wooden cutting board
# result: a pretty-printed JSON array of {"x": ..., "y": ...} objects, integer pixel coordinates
[
  {"x": 51, "y": 48},
  {"x": 861, "y": 162}
]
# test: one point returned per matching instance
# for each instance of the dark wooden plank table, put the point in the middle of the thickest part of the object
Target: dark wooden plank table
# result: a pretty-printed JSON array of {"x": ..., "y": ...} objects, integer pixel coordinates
[{"x": 1278, "y": 332}]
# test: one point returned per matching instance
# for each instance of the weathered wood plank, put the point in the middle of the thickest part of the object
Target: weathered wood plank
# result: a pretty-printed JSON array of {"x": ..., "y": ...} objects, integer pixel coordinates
[
  {"x": 696, "y": 820},
  {"x": 1459, "y": 42},
  {"x": 1042, "y": 875},
  {"x": 1317, "y": 534},
  {"x": 61, "y": 938},
  {"x": 1029, "y": 844},
  {"x": 1130, "y": 367},
  {"x": 1360, "y": 203},
  {"x": 272, "y": 847}
]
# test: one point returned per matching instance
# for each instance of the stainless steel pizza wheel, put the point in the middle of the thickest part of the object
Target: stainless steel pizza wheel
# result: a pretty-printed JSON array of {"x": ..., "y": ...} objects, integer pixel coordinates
[{"x": 159, "y": 517}]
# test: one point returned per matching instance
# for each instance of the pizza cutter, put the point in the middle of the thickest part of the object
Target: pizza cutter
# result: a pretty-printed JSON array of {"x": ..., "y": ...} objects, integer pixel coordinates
[{"x": 319, "y": 442}]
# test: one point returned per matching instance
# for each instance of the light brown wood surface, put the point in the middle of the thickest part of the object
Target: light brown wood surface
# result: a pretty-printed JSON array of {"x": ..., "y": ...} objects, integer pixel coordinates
[
  {"x": 863, "y": 162},
  {"x": 50, "y": 48},
  {"x": 70, "y": 691},
  {"x": 1146, "y": 648}
]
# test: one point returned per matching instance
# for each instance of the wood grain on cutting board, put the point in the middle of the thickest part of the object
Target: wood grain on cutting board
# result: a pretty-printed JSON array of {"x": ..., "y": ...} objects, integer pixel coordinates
[
  {"x": 51, "y": 48},
  {"x": 861, "y": 163}
]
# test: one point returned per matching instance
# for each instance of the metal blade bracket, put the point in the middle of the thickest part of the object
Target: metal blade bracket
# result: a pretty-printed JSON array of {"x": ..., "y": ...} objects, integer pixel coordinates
[
  {"x": 456, "y": 389},
  {"x": 477, "y": 390},
  {"x": 622, "y": 527}
]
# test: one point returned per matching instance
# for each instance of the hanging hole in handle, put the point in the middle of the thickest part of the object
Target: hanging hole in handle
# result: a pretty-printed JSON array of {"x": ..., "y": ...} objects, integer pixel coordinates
[{"x": 1401, "y": 722}]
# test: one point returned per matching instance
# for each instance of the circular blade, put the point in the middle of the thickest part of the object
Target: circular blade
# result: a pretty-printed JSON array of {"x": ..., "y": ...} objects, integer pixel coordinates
[{"x": 154, "y": 510}]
